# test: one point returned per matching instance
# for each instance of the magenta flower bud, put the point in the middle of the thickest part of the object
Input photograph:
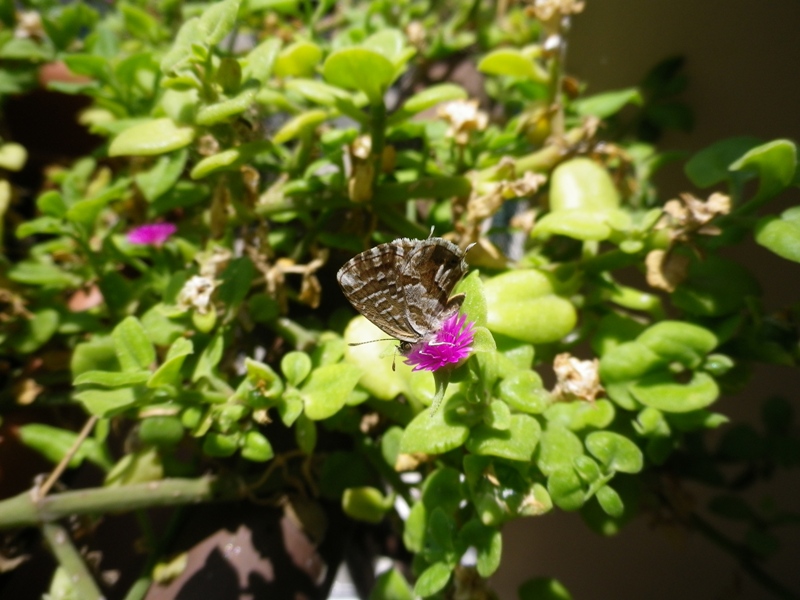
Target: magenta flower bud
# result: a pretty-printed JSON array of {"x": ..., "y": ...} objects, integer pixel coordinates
[
  {"x": 451, "y": 344},
  {"x": 154, "y": 234}
]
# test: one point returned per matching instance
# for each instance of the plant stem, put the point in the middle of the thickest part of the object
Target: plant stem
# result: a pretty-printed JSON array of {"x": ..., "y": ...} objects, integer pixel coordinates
[
  {"x": 28, "y": 509},
  {"x": 64, "y": 462},
  {"x": 743, "y": 556},
  {"x": 71, "y": 561}
]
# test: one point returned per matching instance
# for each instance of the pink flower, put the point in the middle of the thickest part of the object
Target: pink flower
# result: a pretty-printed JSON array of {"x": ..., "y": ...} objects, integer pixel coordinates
[
  {"x": 451, "y": 344},
  {"x": 153, "y": 234}
]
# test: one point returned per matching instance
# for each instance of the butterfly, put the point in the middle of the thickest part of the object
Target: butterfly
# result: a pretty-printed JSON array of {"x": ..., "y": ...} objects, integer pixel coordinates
[{"x": 404, "y": 286}]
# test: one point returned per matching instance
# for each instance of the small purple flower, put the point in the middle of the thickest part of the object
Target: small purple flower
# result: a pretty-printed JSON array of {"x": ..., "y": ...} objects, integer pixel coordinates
[
  {"x": 153, "y": 234},
  {"x": 451, "y": 344}
]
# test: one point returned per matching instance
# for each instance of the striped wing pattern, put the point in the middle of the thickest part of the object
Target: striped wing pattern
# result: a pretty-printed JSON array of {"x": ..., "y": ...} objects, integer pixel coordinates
[{"x": 404, "y": 286}]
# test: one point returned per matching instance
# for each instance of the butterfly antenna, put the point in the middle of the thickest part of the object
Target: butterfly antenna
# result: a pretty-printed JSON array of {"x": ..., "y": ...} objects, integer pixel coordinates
[{"x": 370, "y": 342}]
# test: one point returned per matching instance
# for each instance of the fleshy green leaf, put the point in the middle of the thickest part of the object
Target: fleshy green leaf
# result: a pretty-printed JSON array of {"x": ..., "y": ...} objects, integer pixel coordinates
[
  {"x": 779, "y": 234},
  {"x": 433, "y": 579},
  {"x": 155, "y": 136},
  {"x": 435, "y": 433},
  {"x": 327, "y": 389},
  {"x": 360, "y": 69},
  {"x": 518, "y": 442},
  {"x": 512, "y": 63},
  {"x": 660, "y": 390},
  {"x": 615, "y": 452},
  {"x": 134, "y": 350},
  {"x": 775, "y": 162},
  {"x": 558, "y": 449},
  {"x": 112, "y": 379},
  {"x": 608, "y": 103},
  {"x": 298, "y": 60}
]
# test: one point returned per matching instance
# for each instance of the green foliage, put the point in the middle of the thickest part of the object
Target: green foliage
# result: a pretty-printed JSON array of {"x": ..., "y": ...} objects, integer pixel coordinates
[{"x": 280, "y": 151}]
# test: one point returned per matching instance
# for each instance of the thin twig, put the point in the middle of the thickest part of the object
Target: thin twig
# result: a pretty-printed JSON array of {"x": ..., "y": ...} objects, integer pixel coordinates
[{"x": 64, "y": 462}]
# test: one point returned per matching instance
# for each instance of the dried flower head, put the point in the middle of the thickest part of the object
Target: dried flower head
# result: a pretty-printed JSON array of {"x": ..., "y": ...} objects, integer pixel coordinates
[
  {"x": 692, "y": 215},
  {"x": 196, "y": 293},
  {"x": 544, "y": 10},
  {"x": 576, "y": 379},
  {"x": 451, "y": 344},
  {"x": 464, "y": 118},
  {"x": 666, "y": 269},
  {"x": 154, "y": 234}
]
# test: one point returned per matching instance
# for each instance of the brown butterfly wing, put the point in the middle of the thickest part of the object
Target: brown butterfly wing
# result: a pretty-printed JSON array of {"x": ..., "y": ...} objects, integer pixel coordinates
[
  {"x": 427, "y": 278},
  {"x": 370, "y": 281}
]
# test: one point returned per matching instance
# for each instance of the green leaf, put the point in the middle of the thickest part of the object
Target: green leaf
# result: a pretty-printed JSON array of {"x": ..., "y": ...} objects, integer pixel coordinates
[
  {"x": 366, "y": 504},
  {"x": 107, "y": 403},
  {"x": 42, "y": 225},
  {"x": 435, "y": 433},
  {"x": 474, "y": 305},
  {"x": 582, "y": 224},
  {"x": 781, "y": 234},
  {"x": 660, "y": 390},
  {"x": 229, "y": 159},
  {"x": 360, "y": 69},
  {"x": 512, "y": 63},
  {"x": 140, "y": 466},
  {"x": 427, "y": 98},
  {"x": 566, "y": 489},
  {"x": 52, "y": 204},
  {"x": 225, "y": 110},
  {"x": 236, "y": 281},
  {"x": 580, "y": 415},
  {"x": 265, "y": 381},
  {"x": 487, "y": 541},
  {"x": 134, "y": 350},
  {"x": 543, "y": 588},
  {"x": 518, "y": 442},
  {"x": 678, "y": 341},
  {"x": 391, "y": 585},
  {"x": 523, "y": 391},
  {"x": 140, "y": 23},
  {"x": 558, "y": 449},
  {"x": 44, "y": 274},
  {"x": 169, "y": 373},
  {"x": 433, "y": 579},
  {"x": 582, "y": 184},
  {"x": 711, "y": 165},
  {"x": 209, "y": 358},
  {"x": 163, "y": 431},
  {"x": 259, "y": 62},
  {"x": 112, "y": 379},
  {"x": 775, "y": 162},
  {"x": 295, "y": 366},
  {"x": 388, "y": 42},
  {"x": 607, "y": 104},
  {"x": 610, "y": 501},
  {"x": 522, "y": 306},
  {"x": 628, "y": 361},
  {"x": 95, "y": 355},
  {"x": 53, "y": 443},
  {"x": 220, "y": 444},
  {"x": 217, "y": 21},
  {"x": 615, "y": 452},
  {"x": 36, "y": 331},
  {"x": 327, "y": 389},
  {"x": 298, "y": 60},
  {"x": 151, "y": 137},
  {"x": 300, "y": 125},
  {"x": 162, "y": 175},
  {"x": 256, "y": 447}
]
